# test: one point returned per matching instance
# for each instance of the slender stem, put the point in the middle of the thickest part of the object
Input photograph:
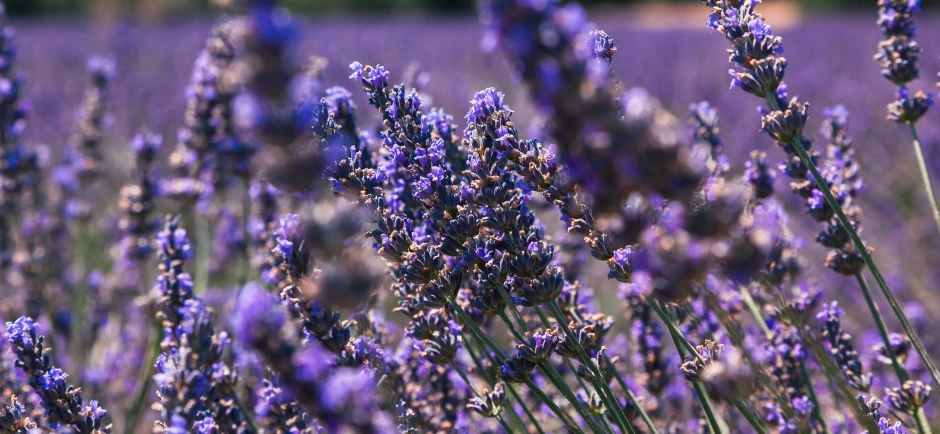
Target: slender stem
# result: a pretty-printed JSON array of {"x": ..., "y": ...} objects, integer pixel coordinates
[
  {"x": 586, "y": 391},
  {"x": 246, "y": 221},
  {"x": 755, "y": 310},
  {"x": 882, "y": 328},
  {"x": 607, "y": 426},
  {"x": 511, "y": 305},
  {"x": 466, "y": 379},
  {"x": 542, "y": 316},
  {"x": 79, "y": 303},
  {"x": 203, "y": 250},
  {"x": 552, "y": 374},
  {"x": 707, "y": 407},
  {"x": 498, "y": 353},
  {"x": 926, "y": 176},
  {"x": 245, "y": 413},
  {"x": 681, "y": 342},
  {"x": 144, "y": 379},
  {"x": 699, "y": 389},
  {"x": 553, "y": 407},
  {"x": 623, "y": 385},
  {"x": 600, "y": 385},
  {"x": 525, "y": 408},
  {"x": 883, "y": 331},
  {"x": 812, "y": 396},
  {"x": 503, "y": 424},
  {"x": 576, "y": 376},
  {"x": 863, "y": 251},
  {"x": 492, "y": 382},
  {"x": 632, "y": 397},
  {"x": 898, "y": 417},
  {"x": 475, "y": 329},
  {"x": 515, "y": 334},
  {"x": 555, "y": 377},
  {"x": 923, "y": 426},
  {"x": 478, "y": 363},
  {"x": 759, "y": 317},
  {"x": 752, "y": 419}
]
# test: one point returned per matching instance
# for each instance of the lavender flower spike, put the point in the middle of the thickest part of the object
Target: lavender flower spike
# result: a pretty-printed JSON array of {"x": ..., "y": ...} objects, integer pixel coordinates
[{"x": 62, "y": 401}]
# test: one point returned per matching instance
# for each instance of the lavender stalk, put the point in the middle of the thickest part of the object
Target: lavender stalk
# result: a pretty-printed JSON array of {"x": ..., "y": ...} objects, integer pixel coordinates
[
  {"x": 763, "y": 77},
  {"x": 897, "y": 55}
]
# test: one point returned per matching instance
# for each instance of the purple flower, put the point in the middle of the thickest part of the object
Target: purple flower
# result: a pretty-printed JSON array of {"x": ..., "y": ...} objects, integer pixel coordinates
[
  {"x": 53, "y": 379},
  {"x": 485, "y": 103},
  {"x": 714, "y": 21},
  {"x": 624, "y": 256},
  {"x": 759, "y": 28}
]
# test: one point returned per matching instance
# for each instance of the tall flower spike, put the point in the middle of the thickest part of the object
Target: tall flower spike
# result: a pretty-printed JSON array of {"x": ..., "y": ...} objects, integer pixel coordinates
[
  {"x": 268, "y": 106},
  {"x": 193, "y": 379},
  {"x": 94, "y": 117},
  {"x": 898, "y": 51},
  {"x": 18, "y": 162},
  {"x": 612, "y": 152},
  {"x": 840, "y": 346},
  {"x": 62, "y": 401},
  {"x": 342, "y": 400},
  {"x": 136, "y": 202},
  {"x": 194, "y": 157},
  {"x": 174, "y": 285}
]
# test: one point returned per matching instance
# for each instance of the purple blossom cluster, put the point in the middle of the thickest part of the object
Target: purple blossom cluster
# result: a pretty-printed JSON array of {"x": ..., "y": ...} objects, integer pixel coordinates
[{"x": 471, "y": 304}]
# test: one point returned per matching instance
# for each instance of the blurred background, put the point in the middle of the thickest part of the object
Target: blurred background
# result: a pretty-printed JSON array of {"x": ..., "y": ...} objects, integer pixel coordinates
[{"x": 155, "y": 9}]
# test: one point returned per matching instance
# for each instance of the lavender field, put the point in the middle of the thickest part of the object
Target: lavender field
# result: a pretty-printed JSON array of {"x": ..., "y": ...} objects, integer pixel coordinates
[{"x": 540, "y": 219}]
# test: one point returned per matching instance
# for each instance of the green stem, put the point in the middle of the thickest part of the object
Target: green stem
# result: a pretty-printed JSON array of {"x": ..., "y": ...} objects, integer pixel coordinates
[
  {"x": 525, "y": 408},
  {"x": 923, "y": 426},
  {"x": 503, "y": 424},
  {"x": 679, "y": 340},
  {"x": 553, "y": 407},
  {"x": 752, "y": 419},
  {"x": 466, "y": 379},
  {"x": 512, "y": 330},
  {"x": 862, "y": 250},
  {"x": 552, "y": 374},
  {"x": 882, "y": 328},
  {"x": 511, "y": 305},
  {"x": 203, "y": 250},
  {"x": 600, "y": 385},
  {"x": 815, "y": 400},
  {"x": 576, "y": 376},
  {"x": 925, "y": 175},
  {"x": 555, "y": 377},
  {"x": 79, "y": 303},
  {"x": 475, "y": 329},
  {"x": 492, "y": 382},
  {"x": 759, "y": 317},
  {"x": 755, "y": 310},
  {"x": 707, "y": 407},
  {"x": 144, "y": 379},
  {"x": 498, "y": 353},
  {"x": 607, "y": 426},
  {"x": 883, "y": 331},
  {"x": 623, "y": 384},
  {"x": 898, "y": 417},
  {"x": 245, "y": 412},
  {"x": 633, "y": 399},
  {"x": 246, "y": 221}
]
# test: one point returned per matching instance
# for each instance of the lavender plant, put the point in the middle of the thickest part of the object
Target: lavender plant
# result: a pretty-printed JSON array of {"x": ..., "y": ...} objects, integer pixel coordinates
[
  {"x": 261, "y": 308},
  {"x": 897, "y": 55}
]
